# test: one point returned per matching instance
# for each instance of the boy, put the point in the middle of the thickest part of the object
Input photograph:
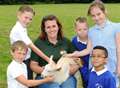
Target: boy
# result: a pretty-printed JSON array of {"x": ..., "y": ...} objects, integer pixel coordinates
[
  {"x": 106, "y": 33},
  {"x": 83, "y": 46},
  {"x": 17, "y": 72},
  {"x": 99, "y": 76},
  {"x": 19, "y": 32}
]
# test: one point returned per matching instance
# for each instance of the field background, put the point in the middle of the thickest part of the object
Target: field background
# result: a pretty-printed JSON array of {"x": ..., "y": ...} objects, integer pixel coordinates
[{"x": 66, "y": 13}]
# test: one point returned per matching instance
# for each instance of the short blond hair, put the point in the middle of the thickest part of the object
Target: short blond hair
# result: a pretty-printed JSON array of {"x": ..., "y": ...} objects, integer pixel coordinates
[
  {"x": 26, "y": 8},
  {"x": 81, "y": 20},
  {"x": 18, "y": 45}
]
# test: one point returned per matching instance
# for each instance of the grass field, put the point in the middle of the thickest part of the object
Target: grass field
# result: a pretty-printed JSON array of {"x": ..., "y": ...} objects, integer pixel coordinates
[{"x": 65, "y": 12}]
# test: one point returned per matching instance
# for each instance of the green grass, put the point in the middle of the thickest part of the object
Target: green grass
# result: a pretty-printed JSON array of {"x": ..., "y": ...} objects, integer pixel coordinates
[{"x": 66, "y": 14}]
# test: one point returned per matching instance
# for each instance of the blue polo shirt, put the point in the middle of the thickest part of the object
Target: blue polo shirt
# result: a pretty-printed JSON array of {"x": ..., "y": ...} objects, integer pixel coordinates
[
  {"x": 101, "y": 79},
  {"x": 105, "y": 36}
]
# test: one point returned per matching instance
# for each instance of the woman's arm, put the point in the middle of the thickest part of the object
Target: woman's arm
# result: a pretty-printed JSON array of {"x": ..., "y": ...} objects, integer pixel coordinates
[
  {"x": 35, "y": 67},
  {"x": 74, "y": 68}
]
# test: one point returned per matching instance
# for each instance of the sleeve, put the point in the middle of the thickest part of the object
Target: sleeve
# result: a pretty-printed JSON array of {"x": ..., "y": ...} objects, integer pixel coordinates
[
  {"x": 74, "y": 42},
  {"x": 16, "y": 71},
  {"x": 117, "y": 27},
  {"x": 85, "y": 73}
]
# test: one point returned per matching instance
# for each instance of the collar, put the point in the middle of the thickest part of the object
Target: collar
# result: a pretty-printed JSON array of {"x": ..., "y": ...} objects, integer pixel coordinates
[
  {"x": 99, "y": 72},
  {"x": 58, "y": 43},
  {"x": 104, "y": 24},
  {"x": 20, "y": 25},
  {"x": 78, "y": 40},
  {"x": 15, "y": 61}
]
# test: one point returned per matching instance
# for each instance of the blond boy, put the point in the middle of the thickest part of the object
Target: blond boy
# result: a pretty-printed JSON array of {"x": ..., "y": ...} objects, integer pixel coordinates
[{"x": 17, "y": 72}]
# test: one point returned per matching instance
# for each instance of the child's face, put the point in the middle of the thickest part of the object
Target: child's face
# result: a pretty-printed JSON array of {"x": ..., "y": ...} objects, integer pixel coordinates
[
  {"x": 51, "y": 28},
  {"x": 19, "y": 54},
  {"x": 81, "y": 29},
  {"x": 98, "y": 58},
  {"x": 98, "y": 16},
  {"x": 25, "y": 18}
]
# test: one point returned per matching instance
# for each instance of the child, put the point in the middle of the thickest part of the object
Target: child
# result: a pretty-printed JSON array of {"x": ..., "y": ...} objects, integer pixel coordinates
[
  {"x": 83, "y": 46},
  {"x": 17, "y": 72},
  {"x": 99, "y": 76},
  {"x": 19, "y": 32},
  {"x": 106, "y": 33}
]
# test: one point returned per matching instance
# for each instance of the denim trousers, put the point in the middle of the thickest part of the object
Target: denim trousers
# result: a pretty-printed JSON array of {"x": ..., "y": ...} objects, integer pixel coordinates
[{"x": 69, "y": 83}]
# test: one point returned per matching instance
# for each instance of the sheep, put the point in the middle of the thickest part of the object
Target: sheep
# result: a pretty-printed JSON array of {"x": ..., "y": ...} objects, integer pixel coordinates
[{"x": 61, "y": 70}]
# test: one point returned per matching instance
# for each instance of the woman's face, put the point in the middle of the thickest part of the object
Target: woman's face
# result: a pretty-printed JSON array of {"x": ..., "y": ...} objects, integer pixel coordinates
[
  {"x": 98, "y": 16},
  {"x": 51, "y": 28}
]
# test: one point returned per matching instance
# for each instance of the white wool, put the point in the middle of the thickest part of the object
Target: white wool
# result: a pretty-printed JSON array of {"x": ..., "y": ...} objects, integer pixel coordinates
[{"x": 60, "y": 70}]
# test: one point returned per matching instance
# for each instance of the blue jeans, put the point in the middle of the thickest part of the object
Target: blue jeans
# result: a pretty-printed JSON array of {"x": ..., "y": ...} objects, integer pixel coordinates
[{"x": 69, "y": 83}]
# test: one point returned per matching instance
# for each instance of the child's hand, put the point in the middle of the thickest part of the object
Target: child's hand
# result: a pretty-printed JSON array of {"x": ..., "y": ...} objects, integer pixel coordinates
[
  {"x": 74, "y": 54},
  {"x": 71, "y": 55},
  {"x": 49, "y": 78},
  {"x": 79, "y": 62}
]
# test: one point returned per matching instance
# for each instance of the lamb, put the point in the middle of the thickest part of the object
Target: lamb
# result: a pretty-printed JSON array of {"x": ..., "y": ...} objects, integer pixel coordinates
[{"x": 61, "y": 70}]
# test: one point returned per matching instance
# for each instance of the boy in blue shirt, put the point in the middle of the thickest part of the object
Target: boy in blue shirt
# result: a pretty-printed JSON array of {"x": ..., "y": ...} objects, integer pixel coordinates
[
  {"x": 83, "y": 46},
  {"x": 100, "y": 77}
]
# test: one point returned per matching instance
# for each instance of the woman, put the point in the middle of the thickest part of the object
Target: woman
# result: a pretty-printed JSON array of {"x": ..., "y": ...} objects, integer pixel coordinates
[
  {"x": 107, "y": 34},
  {"x": 52, "y": 42}
]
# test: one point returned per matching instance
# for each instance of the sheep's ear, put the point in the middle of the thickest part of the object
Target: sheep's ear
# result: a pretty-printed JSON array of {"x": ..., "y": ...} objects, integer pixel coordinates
[{"x": 51, "y": 59}]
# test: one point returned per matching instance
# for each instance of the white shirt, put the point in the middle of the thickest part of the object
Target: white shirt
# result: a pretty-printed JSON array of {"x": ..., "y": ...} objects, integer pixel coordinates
[
  {"x": 100, "y": 72},
  {"x": 19, "y": 32},
  {"x": 14, "y": 70},
  {"x": 84, "y": 42}
]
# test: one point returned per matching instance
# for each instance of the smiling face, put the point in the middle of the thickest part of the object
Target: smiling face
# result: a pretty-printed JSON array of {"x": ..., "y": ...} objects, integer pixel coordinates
[
  {"x": 25, "y": 17},
  {"x": 98, "y": 59},
  {"x": 98, "y": 16},
  {"x": 51, "y": 29},
  {"x": 19, "y": 51},
  {"x": 19, "y": 54}
]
